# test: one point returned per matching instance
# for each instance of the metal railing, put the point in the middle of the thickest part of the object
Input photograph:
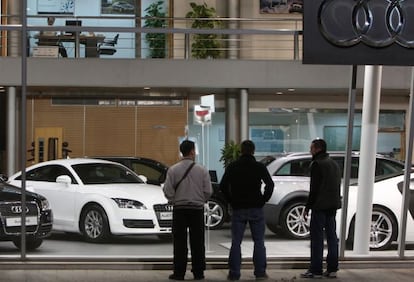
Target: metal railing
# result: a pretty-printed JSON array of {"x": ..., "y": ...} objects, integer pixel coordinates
[{"x": 252, "y": 39}]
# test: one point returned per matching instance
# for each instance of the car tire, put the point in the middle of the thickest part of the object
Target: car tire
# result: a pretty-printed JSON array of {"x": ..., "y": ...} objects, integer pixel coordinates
[
  {"x": 216, "y": 214},
  {"x": 293, "y": 224},
  {"x": 383, "y": 230},
  {"x": 94, "y": 224},
  {"x": 31, "y": 244}
]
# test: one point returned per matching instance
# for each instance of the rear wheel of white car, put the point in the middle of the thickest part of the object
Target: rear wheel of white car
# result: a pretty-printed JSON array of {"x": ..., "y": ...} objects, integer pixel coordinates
[
  {"x": 94, "y": 224},
  {"x": 383, "y": 230},
  {"x": 293, "y": 223},
  {"x": 215, "y": 215}
]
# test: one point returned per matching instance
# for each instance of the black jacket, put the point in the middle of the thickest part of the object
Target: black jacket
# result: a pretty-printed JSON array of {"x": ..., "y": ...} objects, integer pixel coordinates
[
  {"x": 325, "y": 183},
  {"x": 242, "y": 183}
]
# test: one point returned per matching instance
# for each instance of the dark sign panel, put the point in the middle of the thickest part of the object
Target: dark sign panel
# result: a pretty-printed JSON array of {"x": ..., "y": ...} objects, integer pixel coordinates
[{"x": 358, "y": 32}]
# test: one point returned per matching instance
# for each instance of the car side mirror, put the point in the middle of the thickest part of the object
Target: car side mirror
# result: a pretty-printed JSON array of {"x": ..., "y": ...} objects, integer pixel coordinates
[
  {"x": 143, "y": 178},
  {"x": 64, "y": 179}
]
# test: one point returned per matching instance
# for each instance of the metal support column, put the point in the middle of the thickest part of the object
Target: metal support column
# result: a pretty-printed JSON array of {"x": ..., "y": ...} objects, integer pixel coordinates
[
  {"x": 407, "y": 174},
  {"x": 232, "y": 116},
  {"x": 348, "y": 159},
  {"x": 366, "y": 172}
]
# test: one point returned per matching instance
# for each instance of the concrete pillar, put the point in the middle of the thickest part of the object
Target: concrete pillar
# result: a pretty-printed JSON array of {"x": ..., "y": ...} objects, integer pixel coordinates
[
  {"x": 232, "y": 116},
  {"x": 13, "y": 50},
  {"x": 232, "y": 97},
  {"x": 11, "y": 146},
  {"x": 233, "y": 40},
  {"x": 244, "y": 114},
  {"x": 366, "y": 173}
]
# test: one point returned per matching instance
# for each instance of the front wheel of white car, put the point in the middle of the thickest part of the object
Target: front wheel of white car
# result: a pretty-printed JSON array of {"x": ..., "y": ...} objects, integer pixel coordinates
[
  {"x": 383, "y": 230},
  {"x": 94, "y": 224},
  {"x": 293, "y": 222}
]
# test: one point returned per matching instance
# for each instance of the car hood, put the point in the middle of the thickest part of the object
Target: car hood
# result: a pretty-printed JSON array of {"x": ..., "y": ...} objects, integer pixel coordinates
[
  {"x": 145, "y": 193},
  {"x": 12, "y": 193}
]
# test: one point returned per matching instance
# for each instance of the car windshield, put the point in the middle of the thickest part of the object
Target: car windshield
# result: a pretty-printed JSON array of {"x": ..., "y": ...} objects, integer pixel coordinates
[{"x": 100, "y": 173}]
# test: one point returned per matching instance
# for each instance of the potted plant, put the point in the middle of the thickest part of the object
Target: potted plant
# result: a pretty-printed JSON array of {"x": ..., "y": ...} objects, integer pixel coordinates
[
  {"x": 229, "y": 153},
  {"x": 204, "y": 45},
  {"x": 156, "y": 41}
]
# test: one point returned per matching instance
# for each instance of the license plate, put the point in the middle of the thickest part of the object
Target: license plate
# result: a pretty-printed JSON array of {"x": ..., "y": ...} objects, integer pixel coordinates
[
  {"x": 166, "y": 215},
  {"x": 17, "y": 221}
]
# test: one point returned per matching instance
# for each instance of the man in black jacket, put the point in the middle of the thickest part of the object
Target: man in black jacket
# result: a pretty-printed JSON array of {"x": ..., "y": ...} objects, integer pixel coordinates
[
  {"x": 242, "y": 186},
  {"x": 324, "y": 199}
]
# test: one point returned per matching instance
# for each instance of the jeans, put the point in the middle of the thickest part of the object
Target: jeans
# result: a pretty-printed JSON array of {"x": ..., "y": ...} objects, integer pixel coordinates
[
  {"x": 323, "y": 221},
  {"x": 193, "y": 221},
  {"x": 255, "y": 218}
]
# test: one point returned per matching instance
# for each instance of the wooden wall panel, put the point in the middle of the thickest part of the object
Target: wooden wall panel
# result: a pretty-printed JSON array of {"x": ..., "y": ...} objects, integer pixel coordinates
[
  {"x": 47, "y": 115},
  {"x": 151, "y": 132},
  {"x": 109, "y": 131},
  {"x": 158, "y": 131}
]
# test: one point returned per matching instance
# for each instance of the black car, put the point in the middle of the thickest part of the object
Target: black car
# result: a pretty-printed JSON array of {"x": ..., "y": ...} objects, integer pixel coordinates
[
  {"x": 155, "y": 172},
  {"x": 39, "y": 216}
]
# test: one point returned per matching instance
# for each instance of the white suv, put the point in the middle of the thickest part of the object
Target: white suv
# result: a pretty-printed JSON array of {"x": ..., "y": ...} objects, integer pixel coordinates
[{"x": 284, "y": 211}]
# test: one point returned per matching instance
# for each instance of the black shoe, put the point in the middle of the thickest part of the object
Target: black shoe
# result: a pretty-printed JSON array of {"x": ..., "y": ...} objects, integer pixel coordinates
[
  {"x": 175, "y": 277},
  {"x": 198, "y": 276},
  {"x": 262, "y": 277},
  {"x": 232, "y": 278},
  {"x": 309, "y": 274}
]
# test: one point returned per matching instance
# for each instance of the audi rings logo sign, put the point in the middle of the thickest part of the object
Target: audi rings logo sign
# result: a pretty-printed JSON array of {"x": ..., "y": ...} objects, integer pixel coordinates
[
  {"x": 376, "y": 23},
  {"x": 18, "y": 209},
  {"x": 364, "y": 32}
]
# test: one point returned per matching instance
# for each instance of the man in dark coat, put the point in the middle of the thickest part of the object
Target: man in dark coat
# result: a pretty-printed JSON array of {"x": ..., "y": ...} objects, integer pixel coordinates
[
  {"x": 324, "y": 199},
  {"x": 242, "y": 186}
]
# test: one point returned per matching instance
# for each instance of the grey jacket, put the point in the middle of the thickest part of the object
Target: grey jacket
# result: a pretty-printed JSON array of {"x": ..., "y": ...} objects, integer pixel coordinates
[{"x": 193, "y": 191}]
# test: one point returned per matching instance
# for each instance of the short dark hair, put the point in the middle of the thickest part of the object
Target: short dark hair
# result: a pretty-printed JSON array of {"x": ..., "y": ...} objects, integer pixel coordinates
[
  {"x": 247, "y": 147},
  {"x": 320, "y": 144},
  {"x": 186, "y": 147}
]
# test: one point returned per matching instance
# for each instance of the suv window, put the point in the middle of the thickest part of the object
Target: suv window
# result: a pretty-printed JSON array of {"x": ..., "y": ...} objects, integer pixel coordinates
[
  {"x": 300, "y": 167},
  {"x": 295, "y": 168}
]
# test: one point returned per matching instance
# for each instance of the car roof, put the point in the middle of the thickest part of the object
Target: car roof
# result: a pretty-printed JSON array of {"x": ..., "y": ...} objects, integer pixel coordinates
[
  {"x": 143, "y": 159},
  {"x": 72, "y": 162}
]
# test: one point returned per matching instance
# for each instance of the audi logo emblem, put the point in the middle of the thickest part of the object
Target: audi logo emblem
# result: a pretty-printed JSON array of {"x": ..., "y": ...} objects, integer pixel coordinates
[
  {"x": 18, "y": 209},
  {"x": 375, "y": 23},
  {"x": 168, "y": 207}
]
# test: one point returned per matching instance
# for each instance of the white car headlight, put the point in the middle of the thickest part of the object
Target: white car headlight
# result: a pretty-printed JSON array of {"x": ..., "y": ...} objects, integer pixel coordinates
[
  {"x": 44, "y": 205},
  {"x": 129, "y": 204}
]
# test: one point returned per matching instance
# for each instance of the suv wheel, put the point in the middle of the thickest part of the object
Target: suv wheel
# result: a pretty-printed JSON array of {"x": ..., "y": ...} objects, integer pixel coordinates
[
  {"x": 293, "y": 222},
  {"x": 215, "y": 215}
]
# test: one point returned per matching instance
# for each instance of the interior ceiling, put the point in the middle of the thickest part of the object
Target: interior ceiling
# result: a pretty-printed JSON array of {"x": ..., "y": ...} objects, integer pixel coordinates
[{"x": 184, "y": 92}]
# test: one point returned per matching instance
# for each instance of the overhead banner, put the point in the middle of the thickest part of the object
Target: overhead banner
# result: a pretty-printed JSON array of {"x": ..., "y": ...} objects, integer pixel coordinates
[{"x": 364, "y": 32}]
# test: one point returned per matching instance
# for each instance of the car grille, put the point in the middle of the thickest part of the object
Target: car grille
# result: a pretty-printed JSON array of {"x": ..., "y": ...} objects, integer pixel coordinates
[
  {"x": 163, "y": 208},
  {"x": 13, "y": 209}
]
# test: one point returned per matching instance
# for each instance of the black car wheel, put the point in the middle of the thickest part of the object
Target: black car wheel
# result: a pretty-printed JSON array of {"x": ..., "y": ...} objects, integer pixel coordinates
[
  {"x": 383, "y": 230},
  {"x": 293, "y": 222},
  {"x": 31, "y": 244},
  {"x": 94, "y": 224},
  {"x": 215, "y": 215}
]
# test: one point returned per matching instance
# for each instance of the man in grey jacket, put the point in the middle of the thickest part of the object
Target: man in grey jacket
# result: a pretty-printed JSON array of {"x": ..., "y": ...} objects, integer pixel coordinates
[{"x": 188, "y": 187}]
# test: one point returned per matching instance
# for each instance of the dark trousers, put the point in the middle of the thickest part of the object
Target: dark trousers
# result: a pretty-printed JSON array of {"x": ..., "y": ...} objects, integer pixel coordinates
[
  {"x": 323, "y": 222},
  {"x": 239, "y": 219},
  {"x": 193, "y": 221}
]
